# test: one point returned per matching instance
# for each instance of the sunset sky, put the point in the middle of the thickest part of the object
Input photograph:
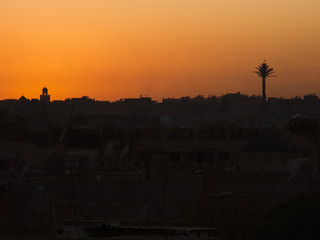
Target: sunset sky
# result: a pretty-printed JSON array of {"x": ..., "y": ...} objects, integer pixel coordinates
[{"x": 112, "y": 49}]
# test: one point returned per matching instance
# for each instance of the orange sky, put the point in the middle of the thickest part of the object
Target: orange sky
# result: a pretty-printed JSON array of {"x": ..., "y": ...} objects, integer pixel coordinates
[{"x": 111, "y": 49}]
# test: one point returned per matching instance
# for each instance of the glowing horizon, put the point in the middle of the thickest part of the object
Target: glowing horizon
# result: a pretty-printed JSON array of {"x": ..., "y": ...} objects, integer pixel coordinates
[{"x": 116, "y": 49}]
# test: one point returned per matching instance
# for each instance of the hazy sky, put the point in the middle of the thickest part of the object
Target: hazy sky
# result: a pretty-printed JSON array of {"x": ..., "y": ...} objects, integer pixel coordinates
[{"x": 110, "y": 49}]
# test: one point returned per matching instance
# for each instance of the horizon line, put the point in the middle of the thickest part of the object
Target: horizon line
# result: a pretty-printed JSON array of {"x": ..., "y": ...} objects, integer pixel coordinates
[{"x": 207, "y": 96}]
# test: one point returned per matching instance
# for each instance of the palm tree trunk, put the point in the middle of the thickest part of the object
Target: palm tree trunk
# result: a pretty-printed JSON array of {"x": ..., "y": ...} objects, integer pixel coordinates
[
  {"x": 264, "y": 89},
  {"x": 264, "y": 98}
]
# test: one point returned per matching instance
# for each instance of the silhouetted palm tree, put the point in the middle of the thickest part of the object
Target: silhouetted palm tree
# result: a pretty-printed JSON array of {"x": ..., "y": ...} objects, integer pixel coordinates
[{"x": 264, "y": 71}]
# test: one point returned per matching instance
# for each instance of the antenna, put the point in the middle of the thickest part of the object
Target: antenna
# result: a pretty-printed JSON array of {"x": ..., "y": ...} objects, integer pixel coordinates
[{"x": 63, "y": 135}]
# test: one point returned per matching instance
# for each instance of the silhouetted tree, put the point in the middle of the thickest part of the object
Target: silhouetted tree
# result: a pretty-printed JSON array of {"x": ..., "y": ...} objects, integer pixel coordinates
[{"x": 264, "y": 71}]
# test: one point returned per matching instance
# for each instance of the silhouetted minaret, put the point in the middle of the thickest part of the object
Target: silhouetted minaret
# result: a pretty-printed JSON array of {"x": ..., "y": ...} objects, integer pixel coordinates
[{"x": 45, "y": 97}]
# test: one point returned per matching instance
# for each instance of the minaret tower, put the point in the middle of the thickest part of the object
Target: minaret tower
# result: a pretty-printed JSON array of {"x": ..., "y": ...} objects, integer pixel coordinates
[{"x": 45, "y": 97}]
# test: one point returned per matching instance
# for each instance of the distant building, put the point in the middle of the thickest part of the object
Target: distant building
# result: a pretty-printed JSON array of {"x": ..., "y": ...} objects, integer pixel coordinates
[
  {"x": 311, "y": 97},
  {"x": 23, "y": 99},
  {"x": 133, "y": 101},
  {"x": 176, "y": 100},
  {"x": 303, "y": 123},
  {"x": 45, "y": 97}
]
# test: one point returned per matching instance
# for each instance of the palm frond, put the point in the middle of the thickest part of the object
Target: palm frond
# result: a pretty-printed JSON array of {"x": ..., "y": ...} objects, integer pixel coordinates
[
  {"x": 258, "y": 73},
  {"x": 264, "y": 70}
]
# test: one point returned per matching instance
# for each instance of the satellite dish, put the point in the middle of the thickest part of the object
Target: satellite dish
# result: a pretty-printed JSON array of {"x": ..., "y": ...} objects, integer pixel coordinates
[
  {"x": 292, "y": 141},
  {"x": 50, "y": 152},
  {"x": 24, "y": 169},
  {"x": 124, "y": 152},
  {"x": 143, "y": 213},
  {"x": 294, "y": 167},
  {"x": 107, "y": 151}
]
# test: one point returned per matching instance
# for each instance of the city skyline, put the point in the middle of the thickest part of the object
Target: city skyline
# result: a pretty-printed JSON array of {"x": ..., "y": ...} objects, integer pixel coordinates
[
  {"x": 119, "y": 49},
  {"x": 45, "y": 92},
  {"x": 158, "y": 119}
]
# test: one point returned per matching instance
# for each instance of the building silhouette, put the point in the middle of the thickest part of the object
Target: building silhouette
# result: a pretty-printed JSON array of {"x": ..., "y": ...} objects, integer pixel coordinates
[{"x": 45, "y": 97}]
